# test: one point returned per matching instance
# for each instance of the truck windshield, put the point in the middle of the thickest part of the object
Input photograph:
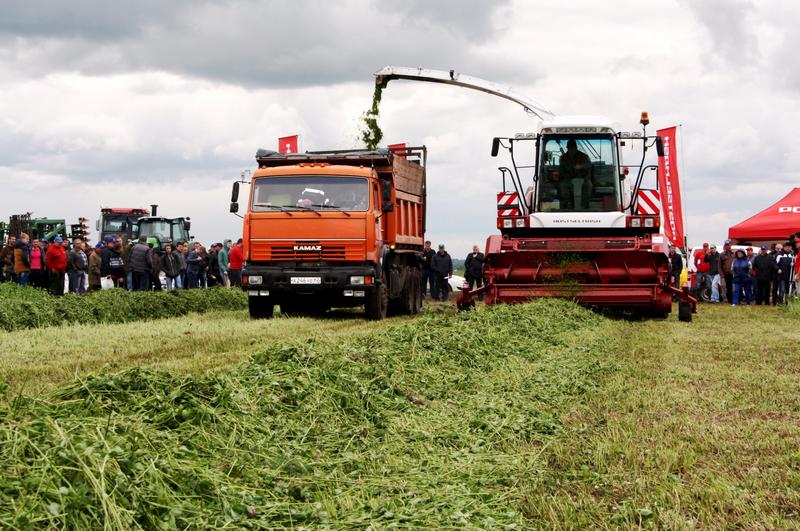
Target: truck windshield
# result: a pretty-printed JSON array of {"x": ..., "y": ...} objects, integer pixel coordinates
[
  {"x": 317, "y": 192},
  {"x": 578, "y": 174}
]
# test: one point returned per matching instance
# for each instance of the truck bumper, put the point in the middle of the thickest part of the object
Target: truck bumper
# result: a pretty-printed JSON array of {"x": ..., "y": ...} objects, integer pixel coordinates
[{"x": 324, "y": 286}]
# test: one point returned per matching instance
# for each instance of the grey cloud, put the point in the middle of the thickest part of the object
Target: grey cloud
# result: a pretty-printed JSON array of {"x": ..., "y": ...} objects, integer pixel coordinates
[
  {"x": 272, "y": 44},
  {"x": 729, "y": 27}
]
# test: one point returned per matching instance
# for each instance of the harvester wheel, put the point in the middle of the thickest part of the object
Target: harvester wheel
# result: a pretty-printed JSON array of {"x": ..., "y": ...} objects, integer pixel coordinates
[
  {"x": 463, "y": 307},
  {"x": 377, "y": 302},
  {"x": 685, "y": 311},
  {"x": 260, "y": 308}
]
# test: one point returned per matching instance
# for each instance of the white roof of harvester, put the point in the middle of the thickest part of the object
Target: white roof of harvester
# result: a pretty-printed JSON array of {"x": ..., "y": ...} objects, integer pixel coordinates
[{"x": 580, "y": 121}]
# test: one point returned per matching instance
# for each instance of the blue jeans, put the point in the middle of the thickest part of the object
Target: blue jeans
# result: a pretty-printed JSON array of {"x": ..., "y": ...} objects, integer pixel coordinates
[
  {"x": 141, "y": 281},
  {"x": 748, "y": 291},
  {"x": 236, "y": 277},
  {"x": 427, "y": 278},
  {"x": 783, "y": 289},
  {"x": 76, "y": 282},
  {"x": 22, "y": 278},
  {"x": 715, "y": 281},
  {"x": 129, "y": 281},
  {"x": 174, "y": 283},
  {"x": 192, "y": 280}
]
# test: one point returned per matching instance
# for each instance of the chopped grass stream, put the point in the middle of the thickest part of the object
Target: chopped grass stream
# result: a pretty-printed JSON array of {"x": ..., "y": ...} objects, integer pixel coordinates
[{"x": 432, "y": 422}]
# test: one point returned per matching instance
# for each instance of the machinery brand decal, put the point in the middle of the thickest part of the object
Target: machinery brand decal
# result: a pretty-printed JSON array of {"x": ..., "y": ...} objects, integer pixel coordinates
[
  {"x": 507, "y": 204},
  {"x": 789, "y": 210},
  {"x": 308, "y": 248},
  {"x": 669, "y": 186}
]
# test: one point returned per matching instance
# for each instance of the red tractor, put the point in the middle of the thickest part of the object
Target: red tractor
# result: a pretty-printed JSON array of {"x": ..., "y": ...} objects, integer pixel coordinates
[{"x": 577, "y": 225}]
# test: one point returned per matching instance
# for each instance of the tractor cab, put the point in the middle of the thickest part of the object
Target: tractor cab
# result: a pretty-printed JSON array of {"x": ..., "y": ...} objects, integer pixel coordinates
[{"x": 575, "y": 180}]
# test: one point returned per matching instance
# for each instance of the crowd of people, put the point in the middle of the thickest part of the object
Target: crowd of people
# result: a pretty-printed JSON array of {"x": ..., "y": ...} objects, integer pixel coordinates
[
  {"x": 436, "y": 268},
  {"x": 743, "y": 276},
  {"x": 61, "y": 266}
]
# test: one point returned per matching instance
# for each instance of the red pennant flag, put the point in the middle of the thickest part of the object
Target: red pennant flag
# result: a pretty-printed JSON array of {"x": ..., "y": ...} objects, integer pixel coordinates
[
  {"x": 398, "y": 149},
  {"x": 670, "y": 189},
  {"x": 288, "y": 144}
]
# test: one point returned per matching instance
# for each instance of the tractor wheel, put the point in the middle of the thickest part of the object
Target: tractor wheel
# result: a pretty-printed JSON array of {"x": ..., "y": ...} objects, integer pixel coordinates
[
  {"x": 377, "y": 302},
  {"x": 705, "y": 294},
  {"x": 685, "y": 311},
  {"x": 260, "y": 308}
]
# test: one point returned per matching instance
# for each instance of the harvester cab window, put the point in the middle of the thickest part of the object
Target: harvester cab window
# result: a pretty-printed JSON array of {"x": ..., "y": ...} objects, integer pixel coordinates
[
  {"x": 311, "y": 192},
  {"x": 578, "y": 174}
]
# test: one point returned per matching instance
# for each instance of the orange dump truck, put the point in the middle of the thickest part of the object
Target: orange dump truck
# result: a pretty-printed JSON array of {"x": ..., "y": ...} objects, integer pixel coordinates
[{"x": 334, "y": 229}]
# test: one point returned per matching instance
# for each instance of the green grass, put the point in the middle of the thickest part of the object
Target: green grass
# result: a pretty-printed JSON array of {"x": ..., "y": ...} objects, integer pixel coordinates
[
  {"x": 27, "y": 307},
  {"x": 535, "y": 416}
]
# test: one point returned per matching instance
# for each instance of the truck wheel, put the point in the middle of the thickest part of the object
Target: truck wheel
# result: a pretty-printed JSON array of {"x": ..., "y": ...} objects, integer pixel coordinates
[
  {"x": 377, "y": 303},
  {"x": 685, "y": 311},
  {"x": 260, "y": 308},
  {"x": 417, "y": 296},
  {"x": 409, "y": 299}
]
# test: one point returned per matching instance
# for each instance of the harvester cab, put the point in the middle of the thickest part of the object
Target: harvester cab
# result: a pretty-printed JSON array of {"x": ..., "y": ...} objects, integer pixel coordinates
[{"x": 574, "y": 223}]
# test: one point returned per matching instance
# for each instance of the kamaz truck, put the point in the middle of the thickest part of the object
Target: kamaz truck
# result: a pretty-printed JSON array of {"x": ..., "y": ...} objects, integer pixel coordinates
[{"x": 334, "y": 229}]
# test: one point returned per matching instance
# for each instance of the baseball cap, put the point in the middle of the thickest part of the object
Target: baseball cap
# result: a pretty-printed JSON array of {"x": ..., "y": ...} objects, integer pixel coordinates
[
  {"x": 765, "y": 247},
  {"x": 727, "y": 242},
  {"x": 99, "y": 245},
  {"x": 441, "y": 246},
  {"x": 713, "y": 246},
  {"x": 58, "y": 239},
  {"x": 110, "y": 239},
  {"x": 749, "y": 248},
  {"x": 705, "y": 244}
]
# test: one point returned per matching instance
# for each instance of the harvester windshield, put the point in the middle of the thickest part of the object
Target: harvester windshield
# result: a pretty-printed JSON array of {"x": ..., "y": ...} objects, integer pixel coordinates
[
  {"x": 317, "y": 192},
  {"x": 578, "y": 174}
]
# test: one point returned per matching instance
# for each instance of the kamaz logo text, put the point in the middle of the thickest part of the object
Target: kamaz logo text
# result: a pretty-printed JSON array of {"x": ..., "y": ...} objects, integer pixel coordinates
[
  {"x": 792, "y": 210},
  {"x": 308, "y": 248}
]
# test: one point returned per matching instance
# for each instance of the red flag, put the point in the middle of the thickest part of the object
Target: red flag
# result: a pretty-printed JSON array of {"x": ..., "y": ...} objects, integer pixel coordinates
[
  {"x": 398, "y": 149},
  {"x": 669, "y": 186},
  {"x": 288, "y": 144}
]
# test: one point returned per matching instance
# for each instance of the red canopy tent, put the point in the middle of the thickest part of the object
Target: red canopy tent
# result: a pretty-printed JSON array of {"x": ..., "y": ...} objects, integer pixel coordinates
[{"x": 773, "y": 224}]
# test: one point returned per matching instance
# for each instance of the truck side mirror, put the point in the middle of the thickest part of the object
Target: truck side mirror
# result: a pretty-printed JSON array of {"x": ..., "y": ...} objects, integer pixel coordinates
[
  {"x": 234, "y": 208},
  {"x": 495, "y": 146},
  {"x": 97, "y": 225},
  {"x": 387, "y": 206},
  {"x": 660, "y": 146},
  {"x": 235, "y": 192}
]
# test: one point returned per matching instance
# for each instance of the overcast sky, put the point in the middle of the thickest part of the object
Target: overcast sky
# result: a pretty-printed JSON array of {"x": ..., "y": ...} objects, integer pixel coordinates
[{"x": 129, "y": 103}]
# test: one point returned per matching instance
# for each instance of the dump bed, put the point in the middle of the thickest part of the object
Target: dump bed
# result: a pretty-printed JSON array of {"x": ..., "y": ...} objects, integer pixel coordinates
[{"x": 401, "y": 173}]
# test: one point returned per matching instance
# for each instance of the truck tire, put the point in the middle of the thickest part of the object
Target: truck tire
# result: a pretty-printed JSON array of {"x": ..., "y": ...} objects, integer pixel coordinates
[
  {"x": 260, "y": 308},
  {"x": 416, "y": 295},
  {"x": 685, "y": 311},
  {"x": 377, "y": 302}
]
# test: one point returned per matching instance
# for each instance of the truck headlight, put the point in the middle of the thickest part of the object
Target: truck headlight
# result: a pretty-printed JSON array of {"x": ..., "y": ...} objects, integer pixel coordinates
[
  {"x": 357, "y": 281},
  {"x": 255, "y": 280},
  {"x": 636, "y": 222},
  {"x": 508, "y": 223},
  {"x": 520, "y": 222},
  {"x": 648, "y": 222}
]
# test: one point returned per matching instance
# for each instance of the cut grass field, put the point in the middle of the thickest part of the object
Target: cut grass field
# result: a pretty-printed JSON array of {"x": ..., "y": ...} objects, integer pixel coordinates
[{"x": 561, "y": 419}]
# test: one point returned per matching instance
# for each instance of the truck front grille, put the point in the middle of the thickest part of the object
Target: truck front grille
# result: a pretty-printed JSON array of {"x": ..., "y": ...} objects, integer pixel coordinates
[{"x": 281, "y": 252}]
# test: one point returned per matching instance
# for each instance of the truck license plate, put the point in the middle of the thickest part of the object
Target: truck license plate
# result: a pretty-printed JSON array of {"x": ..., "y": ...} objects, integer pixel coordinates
[{"x": 306, "y": 280}]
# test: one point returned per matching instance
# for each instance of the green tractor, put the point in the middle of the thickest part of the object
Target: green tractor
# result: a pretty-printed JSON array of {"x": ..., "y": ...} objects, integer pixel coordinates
[{"x": 160, "y": 231}]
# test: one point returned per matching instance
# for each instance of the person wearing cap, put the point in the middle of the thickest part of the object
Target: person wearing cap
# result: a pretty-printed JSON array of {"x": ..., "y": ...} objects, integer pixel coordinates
[
  {"x": 426, "y": 273},
  {"x": 725, "y": 265},
  {"x": 442, "y": 268},
  {"x": 763, "y": 268},
  {"x": 56, "y": 260},
  {"x": 775, "y": 254},
  {"x": 741, "y": 278},
  {"x": 712, "y": 259},
  {"x": 700, "y": 265},
  {"x": 95, "y": 263}
]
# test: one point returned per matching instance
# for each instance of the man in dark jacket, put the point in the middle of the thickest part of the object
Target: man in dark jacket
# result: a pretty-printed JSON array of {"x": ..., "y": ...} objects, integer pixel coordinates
[
  {"x": 78, "y": 267},
  {"x": 473, "y": 269},
  {"x": 714, "y": 270},
  {"x": 194, "y": 265},
  {"x": 214, "y": 274},
  {"x": 764, "y": 269},
  {"x": 783, "y": 275},
  {"x": 676, "y": 268},
  {"x": 141, "y": 261},
  {"x": 7, "y": 260},
  {"x": 442, "y": 267},
  {"x": 155, "y": 267},
  {"x": 725, "y": 263},
  {"x": 426, "y": 275},
  {"x": 171, "y": 266}
]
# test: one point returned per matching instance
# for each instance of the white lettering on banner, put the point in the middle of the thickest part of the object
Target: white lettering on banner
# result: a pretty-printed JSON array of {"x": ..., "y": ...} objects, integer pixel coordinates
[
  {"x": 668, "y": 179},
  {"x": 789, "y": 210}
]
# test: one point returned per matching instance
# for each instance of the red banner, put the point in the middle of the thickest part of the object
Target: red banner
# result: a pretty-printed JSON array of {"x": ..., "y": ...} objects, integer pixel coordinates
[
  {"x": 288, "y": 144},
  {"x": 669, "y": 186}
]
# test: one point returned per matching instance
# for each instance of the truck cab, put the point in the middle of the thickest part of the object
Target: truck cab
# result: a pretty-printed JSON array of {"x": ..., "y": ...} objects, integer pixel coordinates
[{"x": 334, "y": 229}]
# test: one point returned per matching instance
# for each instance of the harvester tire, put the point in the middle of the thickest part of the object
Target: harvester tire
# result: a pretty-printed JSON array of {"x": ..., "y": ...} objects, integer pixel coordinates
[
  {"x": 260, "y": 308},
  {"x": 377, "y": 303},
  {"x": 685, "y": 311}
]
